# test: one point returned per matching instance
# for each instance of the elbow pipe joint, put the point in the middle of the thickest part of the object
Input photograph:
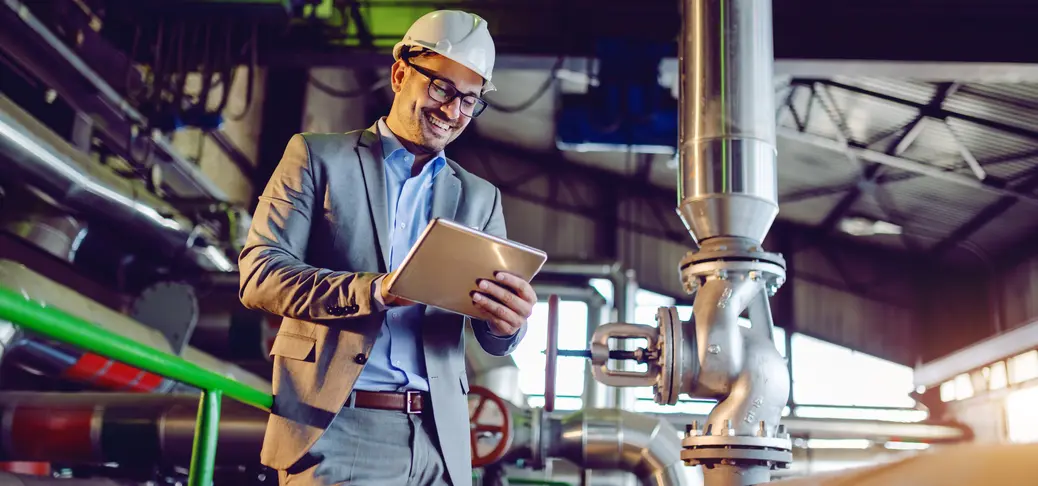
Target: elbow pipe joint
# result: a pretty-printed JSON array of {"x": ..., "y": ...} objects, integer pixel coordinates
[{"x": 618, "y": 440}]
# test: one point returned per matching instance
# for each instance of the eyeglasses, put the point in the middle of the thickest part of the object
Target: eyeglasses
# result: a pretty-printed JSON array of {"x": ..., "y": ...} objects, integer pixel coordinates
[{"x": 444, "y": 91}]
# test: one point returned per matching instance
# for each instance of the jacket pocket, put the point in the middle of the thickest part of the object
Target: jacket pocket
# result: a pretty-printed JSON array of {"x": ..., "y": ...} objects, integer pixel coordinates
[{"x": 293, "y": 346}]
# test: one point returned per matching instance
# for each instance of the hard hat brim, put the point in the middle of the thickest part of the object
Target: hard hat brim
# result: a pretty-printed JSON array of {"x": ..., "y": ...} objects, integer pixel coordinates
[{"x": 398, "y": 50}]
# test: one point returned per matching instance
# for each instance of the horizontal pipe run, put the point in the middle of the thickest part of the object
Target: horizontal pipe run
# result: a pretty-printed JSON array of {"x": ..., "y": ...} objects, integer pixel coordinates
[{"x": 143, "y": 430}]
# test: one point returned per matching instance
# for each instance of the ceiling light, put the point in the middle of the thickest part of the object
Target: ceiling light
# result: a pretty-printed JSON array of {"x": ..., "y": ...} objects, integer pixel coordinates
[{"x": 866, "y": 227}]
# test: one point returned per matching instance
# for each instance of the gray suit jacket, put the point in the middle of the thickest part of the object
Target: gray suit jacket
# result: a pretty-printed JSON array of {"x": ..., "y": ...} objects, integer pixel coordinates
[{"x": 319, "y": 239}]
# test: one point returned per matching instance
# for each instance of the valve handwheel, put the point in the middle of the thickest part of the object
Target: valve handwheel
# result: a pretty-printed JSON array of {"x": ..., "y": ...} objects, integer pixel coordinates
[
  {"x": 490, "y": 423},
  {"x": 551, "y": 353}
]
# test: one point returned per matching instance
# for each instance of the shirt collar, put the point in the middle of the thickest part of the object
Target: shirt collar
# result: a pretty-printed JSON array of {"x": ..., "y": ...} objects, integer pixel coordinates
[{"x": 394, "y": 154}]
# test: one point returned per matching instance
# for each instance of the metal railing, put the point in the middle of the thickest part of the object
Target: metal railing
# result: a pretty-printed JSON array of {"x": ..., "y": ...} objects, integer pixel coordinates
[{"x": 56, "y": 324}]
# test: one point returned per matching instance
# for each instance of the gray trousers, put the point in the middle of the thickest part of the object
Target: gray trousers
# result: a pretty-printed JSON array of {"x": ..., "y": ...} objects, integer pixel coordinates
[{"x": 365, "y": 447}]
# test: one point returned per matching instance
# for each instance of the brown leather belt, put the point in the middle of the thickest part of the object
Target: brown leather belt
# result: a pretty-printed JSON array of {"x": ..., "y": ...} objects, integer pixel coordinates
[{"x": 407, "y": 402}]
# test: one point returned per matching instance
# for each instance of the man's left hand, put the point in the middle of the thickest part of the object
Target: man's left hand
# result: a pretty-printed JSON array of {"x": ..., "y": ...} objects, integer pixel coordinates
[{"x": 511, "y": 303}]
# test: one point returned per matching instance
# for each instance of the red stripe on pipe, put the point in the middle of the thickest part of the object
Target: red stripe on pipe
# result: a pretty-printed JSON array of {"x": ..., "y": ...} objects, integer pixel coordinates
[
  {"x": 148, "y": 382},
  {"x": 96, "y": 369},
  {"x": 26, "y": 467},
  {"x": 118, "y": 376},
  {"x": 86, "y": 367},
  {"x": 52, "y": 435}
]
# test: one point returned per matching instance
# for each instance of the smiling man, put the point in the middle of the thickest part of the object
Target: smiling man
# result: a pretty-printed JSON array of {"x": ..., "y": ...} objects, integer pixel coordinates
[{"x": 370, "y": 389}]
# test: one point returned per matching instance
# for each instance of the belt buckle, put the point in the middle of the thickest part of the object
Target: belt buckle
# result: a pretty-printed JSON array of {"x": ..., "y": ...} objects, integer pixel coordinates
[{"x": 409, "y": 401}]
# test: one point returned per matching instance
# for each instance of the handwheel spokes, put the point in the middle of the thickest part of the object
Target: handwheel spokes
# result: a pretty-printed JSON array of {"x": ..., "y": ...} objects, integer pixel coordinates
[
  {"x": 495, "y": 438},
  {"x": 479, "y": 408},
  {"x": 489, "y": 428}
]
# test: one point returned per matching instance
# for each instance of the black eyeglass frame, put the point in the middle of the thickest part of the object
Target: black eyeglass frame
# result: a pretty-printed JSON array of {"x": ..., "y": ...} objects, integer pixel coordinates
[{"x": 450, "y": 91}]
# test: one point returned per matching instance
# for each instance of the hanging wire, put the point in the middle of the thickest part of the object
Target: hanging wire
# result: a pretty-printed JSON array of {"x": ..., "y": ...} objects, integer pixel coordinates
[{"x": 525, "y": 105}]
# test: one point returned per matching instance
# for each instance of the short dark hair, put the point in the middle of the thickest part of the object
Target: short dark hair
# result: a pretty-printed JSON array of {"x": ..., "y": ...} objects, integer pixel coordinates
[{"x": 413, "y": 52}]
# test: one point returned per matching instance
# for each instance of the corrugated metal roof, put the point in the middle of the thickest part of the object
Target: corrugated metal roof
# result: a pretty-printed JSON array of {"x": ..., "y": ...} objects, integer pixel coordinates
[
  {"x": 931, "y": 206},
  {"x": 1011, "y": 104},
  {"x": 869, "y": 120},
  {"x": 916, "y": 91}
]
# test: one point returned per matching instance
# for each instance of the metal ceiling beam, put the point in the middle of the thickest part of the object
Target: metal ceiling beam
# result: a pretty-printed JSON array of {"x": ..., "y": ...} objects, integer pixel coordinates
[
  {"x": 906, "y": 165},
  {"x": 925, "y": 109},
  {"x": 871, "y": 173}
]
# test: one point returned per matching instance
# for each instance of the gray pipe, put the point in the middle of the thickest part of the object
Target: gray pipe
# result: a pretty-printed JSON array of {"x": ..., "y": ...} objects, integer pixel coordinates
[
  {"x": 624, "y": 281},
  {"x": 39, "y": 157},
  {"x": 727, "y": 178}
]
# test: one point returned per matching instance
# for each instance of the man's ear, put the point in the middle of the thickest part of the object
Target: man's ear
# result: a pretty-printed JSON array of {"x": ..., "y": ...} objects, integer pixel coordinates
[{"x": 396, "y": 75}]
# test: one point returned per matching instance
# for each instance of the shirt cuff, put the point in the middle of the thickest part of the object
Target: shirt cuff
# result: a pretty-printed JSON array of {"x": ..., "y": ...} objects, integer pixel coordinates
[
  {"x": 376, "y": 295},
  {"x": 495, "y": 336}
]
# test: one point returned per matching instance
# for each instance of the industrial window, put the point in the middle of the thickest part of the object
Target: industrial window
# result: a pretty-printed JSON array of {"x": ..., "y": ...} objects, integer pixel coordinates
[
  {"x": 1021, "y": 418},
  {"x": 1023, "y": 367},
  {"x": 1019, "y": 369},
  {"x": 529, "y": 355},
  {"x": 829, "y": 375}
]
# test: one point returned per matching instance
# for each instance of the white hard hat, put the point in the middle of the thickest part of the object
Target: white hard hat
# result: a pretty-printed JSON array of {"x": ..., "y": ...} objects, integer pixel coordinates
[{"x": 459, "y": 36}]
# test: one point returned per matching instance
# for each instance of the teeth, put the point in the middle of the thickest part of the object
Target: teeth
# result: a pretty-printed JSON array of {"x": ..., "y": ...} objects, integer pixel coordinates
[{"x": 438, "y": 123}]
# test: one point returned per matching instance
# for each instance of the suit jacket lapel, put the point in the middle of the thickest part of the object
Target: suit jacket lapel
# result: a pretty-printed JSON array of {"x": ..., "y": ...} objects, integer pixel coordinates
[
  {"x": 369, "y": 150},
  {"x": 446, "y": 194}
]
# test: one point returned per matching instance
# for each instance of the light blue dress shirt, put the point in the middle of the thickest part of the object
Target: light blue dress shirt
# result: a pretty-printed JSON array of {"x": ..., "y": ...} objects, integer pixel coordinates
[{"x": 396, "y": 362}]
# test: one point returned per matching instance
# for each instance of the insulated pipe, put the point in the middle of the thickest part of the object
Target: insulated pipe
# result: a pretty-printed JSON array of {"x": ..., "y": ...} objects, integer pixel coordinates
[
  {"x": 601, "y": 439},
  {"x": 9, "y": 479},
  {"x": 727, "y": 179},
  {"x": 39, "y": 157},
  {"x": 611, "y": 439},
  {"x": 142, "y": 430},
  {"x": 41, "y": 358}
]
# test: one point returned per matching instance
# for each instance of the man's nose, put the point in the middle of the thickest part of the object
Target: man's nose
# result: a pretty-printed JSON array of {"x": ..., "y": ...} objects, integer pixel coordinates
[{"x": 452, "y": 108}]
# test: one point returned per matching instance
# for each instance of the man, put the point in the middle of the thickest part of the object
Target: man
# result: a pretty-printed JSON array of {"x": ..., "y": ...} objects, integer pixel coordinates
[{"x": 370, "y": 389}]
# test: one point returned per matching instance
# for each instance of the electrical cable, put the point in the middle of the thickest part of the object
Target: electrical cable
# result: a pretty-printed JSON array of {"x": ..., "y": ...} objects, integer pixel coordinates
[{"x": 552, "y": 77}]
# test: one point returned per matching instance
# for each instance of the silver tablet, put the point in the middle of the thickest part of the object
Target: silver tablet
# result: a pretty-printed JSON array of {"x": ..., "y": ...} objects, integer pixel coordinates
[{"x": 445, "y": 265}]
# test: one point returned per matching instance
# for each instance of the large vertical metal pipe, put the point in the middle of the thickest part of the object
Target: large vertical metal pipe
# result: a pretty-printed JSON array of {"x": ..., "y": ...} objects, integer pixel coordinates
[
  {"x": 727, "y": 177},
  {"x": 728, "y": 200}
]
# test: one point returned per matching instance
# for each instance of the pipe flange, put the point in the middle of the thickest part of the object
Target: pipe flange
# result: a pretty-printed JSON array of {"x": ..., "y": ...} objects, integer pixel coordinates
[
  {"x": 710, "y": 457},
  {"x": 668, "y": 385},
  {"x": 540, "y": 438},
  {"x": 731, "y": 254},
  {"x": 736, "y": 441},
  {"x": 713, "y": 450},
  {"x": 772, "y": 274}
]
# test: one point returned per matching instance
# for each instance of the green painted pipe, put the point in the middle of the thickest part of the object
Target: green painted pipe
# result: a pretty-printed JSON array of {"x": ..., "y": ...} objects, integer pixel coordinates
[
  {"x": 207, "y": 428},
  {"x": 542, "y": 482},
  {"x": 61, "y": 326}
]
